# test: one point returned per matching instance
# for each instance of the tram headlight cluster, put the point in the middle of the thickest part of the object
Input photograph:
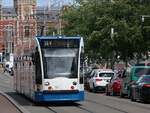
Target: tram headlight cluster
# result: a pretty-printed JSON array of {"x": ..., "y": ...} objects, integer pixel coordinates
[
  {"x": 50, "y": 88},
  {"x": 74, "y": 83},
  {"x": 72, "y": 87},
  {"x": 46, "y": 83}
]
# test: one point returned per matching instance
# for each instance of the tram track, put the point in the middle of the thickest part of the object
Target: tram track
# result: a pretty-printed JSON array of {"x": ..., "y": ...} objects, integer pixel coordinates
[
  {"x": 51, "y": 110},
  {"x": 136, "y": 104},
  {"x": 119, "y": 102},
  {"x": 86, "y": 110},
  {"x": 82, "y": 108},
  {"x": 78, "y": 107},
  {"x": 70, "y": 107},
  {"x": 108, "y": 106}
]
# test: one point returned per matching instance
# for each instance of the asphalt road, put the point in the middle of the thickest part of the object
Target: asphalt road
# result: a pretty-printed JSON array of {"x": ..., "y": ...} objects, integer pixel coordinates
[{"x": 94, "y": 102}]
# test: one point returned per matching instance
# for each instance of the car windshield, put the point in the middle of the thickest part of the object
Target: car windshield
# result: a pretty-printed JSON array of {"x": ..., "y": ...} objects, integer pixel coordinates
[
  {"x": 60, "y": 63},
  {"x": 145, "y": 79},
  {"x": 142, "y": 71},
  {"x": 106, "y": 74}
]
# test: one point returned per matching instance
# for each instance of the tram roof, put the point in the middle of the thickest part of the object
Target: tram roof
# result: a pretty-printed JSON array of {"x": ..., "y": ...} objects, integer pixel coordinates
[{"x": 57, "y": 37}]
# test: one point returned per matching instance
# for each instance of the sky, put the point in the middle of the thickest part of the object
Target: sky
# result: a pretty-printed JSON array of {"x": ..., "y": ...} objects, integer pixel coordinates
[
  {"x": 10, "y": 2},
  {"x": 39, "y": 2}
]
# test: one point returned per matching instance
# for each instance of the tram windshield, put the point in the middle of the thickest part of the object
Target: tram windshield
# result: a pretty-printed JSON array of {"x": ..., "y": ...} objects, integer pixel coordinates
[{"x": 60, "y": 62}]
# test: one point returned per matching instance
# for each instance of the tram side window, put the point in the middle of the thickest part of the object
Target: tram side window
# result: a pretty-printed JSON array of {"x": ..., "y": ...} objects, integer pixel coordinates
[
  {"x": 38, "y": 68},
  {"x": 81, "y": 68},
  {"x": 74, "y": 68}
]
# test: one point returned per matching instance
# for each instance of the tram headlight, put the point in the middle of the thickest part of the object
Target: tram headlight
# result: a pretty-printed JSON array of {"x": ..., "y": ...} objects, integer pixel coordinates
[
  {"x": 46, "y": 83},
  {"x": 74, "y": 83},
  {"x": 72, "y": 87},
  {"x": 50, "y": 88}
]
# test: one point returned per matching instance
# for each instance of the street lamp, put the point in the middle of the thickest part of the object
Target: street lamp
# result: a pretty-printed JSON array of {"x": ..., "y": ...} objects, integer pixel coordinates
[
  {"x": 145, "y": 31},
  {"x": 143, "y": 26},
  {"x": 145, "y": 16},
  {"x": 112, "y": 33}
]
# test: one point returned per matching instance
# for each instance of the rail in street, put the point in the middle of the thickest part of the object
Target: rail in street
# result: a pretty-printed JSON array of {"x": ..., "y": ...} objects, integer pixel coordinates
[{"x": 93, "y": 103}]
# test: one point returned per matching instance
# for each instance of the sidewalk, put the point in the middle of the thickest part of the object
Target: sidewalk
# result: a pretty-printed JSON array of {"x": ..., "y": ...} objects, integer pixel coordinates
[{"x": 7, "y": 105}]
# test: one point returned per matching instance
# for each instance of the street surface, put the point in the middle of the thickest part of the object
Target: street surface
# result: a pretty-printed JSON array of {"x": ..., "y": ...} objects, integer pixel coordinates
[
  {"x": 6, "y": 106},
  {"x": 94, "y": 102}
]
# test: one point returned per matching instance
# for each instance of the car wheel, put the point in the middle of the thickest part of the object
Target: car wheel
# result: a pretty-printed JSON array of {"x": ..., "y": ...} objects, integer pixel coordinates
[
  {"x": 89, "y": 87},
  {"x": 142, "y": 99},
  {"x": 132, "y": 97},
  {"x": 106, "y": 92},
  {"x": 129, "y": 94},
  {"x": 94, "y": 89},
  {"x": 122, "y": 95},
  {"x": 145, "y": 101},
  {"x": 113, "y": 93}
]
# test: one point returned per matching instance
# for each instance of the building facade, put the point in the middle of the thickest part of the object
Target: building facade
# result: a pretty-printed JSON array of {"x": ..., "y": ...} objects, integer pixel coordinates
[
  {"x": 19, "y": 24},
  {"x": 48, "y": 19},
  {"x": 26, "y": 23}
]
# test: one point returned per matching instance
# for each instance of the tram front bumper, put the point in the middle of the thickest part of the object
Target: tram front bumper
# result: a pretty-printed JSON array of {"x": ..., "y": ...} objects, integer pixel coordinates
[{"x": 61, "y": 96}]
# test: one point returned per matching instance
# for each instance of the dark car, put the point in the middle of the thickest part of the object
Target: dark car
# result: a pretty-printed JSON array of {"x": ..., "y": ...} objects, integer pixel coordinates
[
  {"x": 113, "y": 87},
  {"x": 140, "y": 90}
]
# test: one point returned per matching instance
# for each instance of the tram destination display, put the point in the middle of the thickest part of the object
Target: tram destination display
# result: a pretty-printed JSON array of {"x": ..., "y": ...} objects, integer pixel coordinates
[{"x": 60, "y": 43}]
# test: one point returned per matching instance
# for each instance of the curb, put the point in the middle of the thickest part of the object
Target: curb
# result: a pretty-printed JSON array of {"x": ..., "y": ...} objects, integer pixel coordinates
[{"x": 21, "y": 109}]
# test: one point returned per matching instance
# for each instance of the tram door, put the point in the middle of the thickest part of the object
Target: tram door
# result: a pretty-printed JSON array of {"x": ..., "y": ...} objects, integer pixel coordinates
[{"x": 38, "y": 74}]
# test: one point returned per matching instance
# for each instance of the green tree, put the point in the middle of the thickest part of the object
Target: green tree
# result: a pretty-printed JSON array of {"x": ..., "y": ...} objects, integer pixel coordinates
[{"x": 93, "y": 19}]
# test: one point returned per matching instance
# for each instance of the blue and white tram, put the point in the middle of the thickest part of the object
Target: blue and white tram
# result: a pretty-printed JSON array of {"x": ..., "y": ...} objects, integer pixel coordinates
[{"x": 52, "y": 71}]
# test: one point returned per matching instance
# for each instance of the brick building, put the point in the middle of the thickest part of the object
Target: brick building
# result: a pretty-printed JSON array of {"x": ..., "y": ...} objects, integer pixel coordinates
[
  {"x": 7, "y": 30},
  {"x": 19, "y": 24},
  {"x": 26, "y": 23},
  {"x": 49, "y": 18}
]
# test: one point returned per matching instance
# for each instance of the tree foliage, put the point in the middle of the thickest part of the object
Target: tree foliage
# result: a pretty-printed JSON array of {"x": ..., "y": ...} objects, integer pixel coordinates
[{"x": 94, "y": 19}]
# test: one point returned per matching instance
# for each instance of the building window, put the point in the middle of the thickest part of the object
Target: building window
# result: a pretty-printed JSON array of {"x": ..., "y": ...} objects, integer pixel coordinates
[{"x": 27, "y": 32}]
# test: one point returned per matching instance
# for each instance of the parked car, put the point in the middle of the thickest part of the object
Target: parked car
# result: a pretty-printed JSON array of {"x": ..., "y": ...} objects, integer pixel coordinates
[
  {"x": 87, "y": 78},
  {"x": 113, "y": 87},
  {"x": 99, "y": 78},
  {"x": 140, "y": 90},
  {"x": 130, "y": 76}
]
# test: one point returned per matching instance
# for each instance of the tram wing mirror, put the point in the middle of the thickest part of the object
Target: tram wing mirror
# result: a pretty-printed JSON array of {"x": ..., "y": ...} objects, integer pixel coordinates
[{"x": 82, "y": 50}]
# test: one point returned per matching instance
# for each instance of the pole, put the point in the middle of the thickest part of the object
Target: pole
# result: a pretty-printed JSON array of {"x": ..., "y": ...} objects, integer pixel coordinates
[
  {"x": 112, "y": 33},
  {"x": 59, "y": 18},
  {"x": 113, "y": 52},
  {"x": 44, "y": 23},
  {"x": 143, "y": 28}
]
